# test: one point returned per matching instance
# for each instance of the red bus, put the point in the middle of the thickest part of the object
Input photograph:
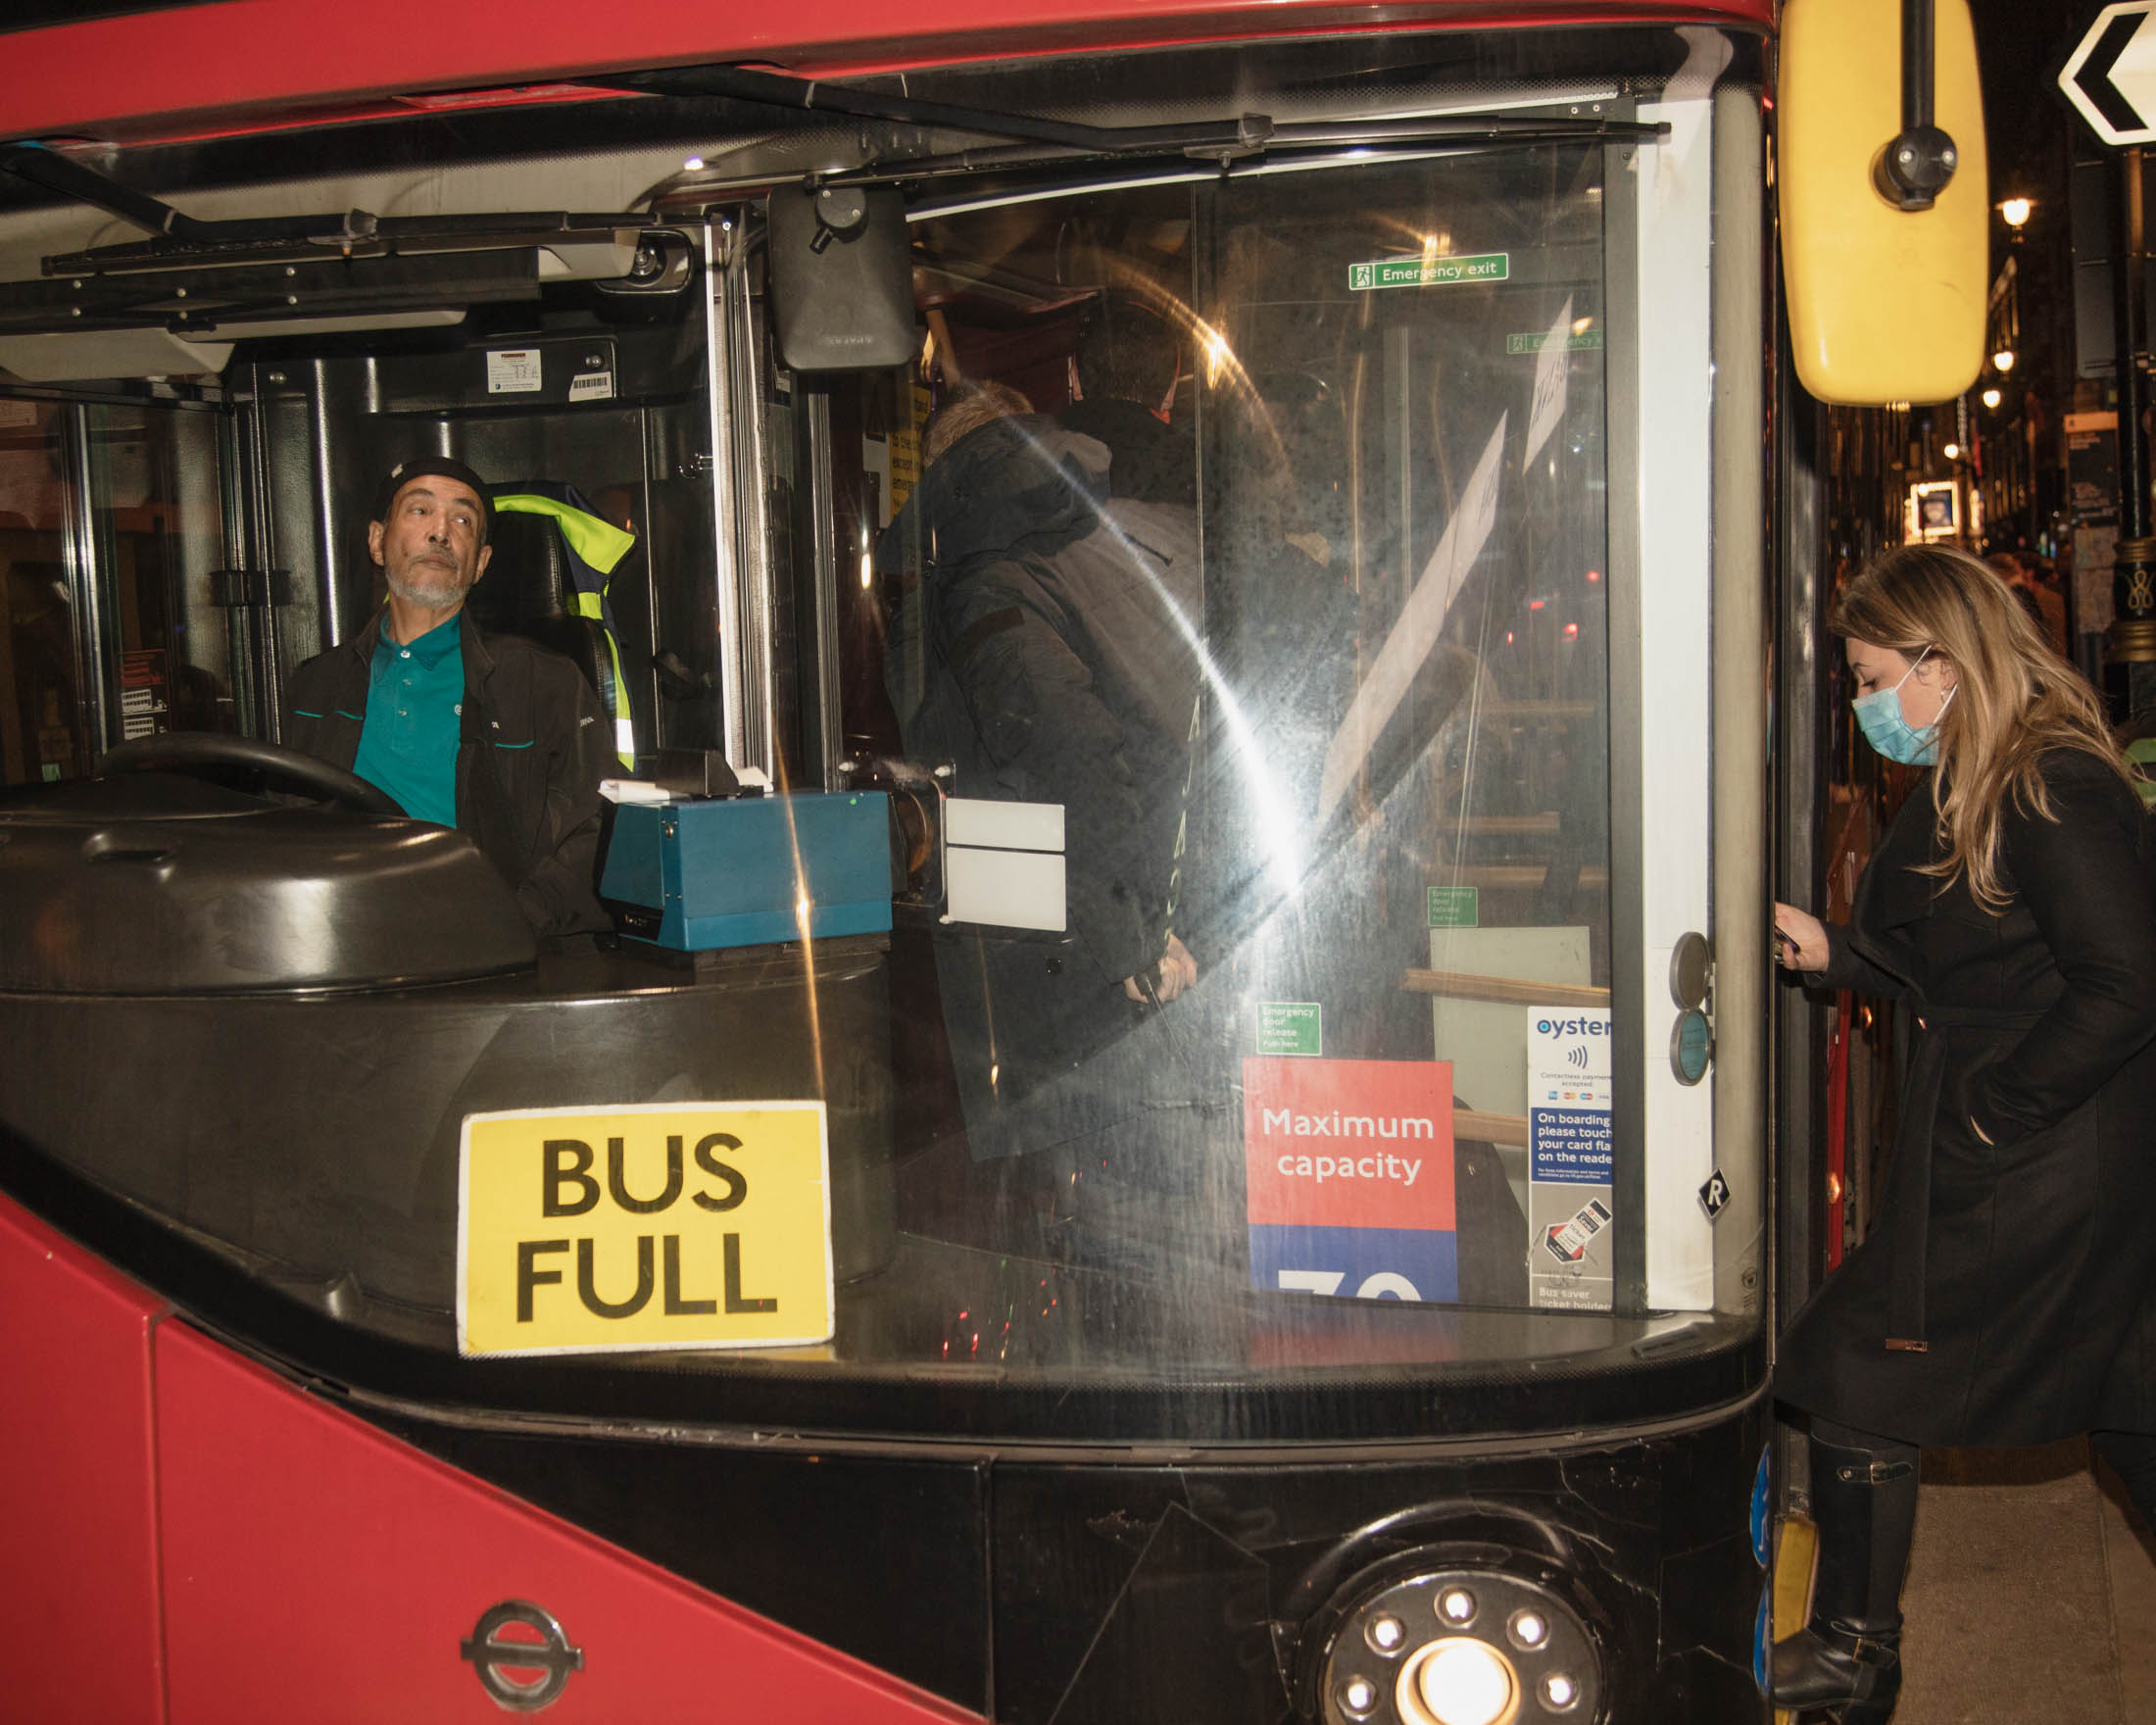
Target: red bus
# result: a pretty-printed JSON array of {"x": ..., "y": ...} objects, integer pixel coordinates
[{"x": 1375, "y": 1329}]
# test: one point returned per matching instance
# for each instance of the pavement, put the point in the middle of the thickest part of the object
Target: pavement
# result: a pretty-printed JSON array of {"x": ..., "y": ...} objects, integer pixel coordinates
[{"x": 2032, "y": 1595}]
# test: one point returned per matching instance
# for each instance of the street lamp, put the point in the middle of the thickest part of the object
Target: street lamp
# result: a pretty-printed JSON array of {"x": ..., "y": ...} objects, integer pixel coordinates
[
  {"x": 1992, "y": 398},
  {"x": 2002, "y": 362},
  {"x": 1952, "y": 452},
  {"x": 2014, "y": 211}
]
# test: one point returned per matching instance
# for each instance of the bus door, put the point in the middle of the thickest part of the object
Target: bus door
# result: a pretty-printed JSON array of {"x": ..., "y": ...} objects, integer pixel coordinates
[{"x": 1371, "y": 881}]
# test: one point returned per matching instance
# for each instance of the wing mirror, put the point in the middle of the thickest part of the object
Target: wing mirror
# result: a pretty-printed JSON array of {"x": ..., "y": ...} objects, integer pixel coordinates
[{"x": 842, "y": 278}]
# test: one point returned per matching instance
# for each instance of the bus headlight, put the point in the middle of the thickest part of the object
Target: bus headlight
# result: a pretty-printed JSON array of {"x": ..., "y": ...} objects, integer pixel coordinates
[
  {"x": 1462, "y": 1682},
  {"x": 1462, "y": 1647}
]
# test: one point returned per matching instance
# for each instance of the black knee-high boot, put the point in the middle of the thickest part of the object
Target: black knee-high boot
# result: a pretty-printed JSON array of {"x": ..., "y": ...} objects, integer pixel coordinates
[
  {"x": 2133, "y": 1458},
  {"x": 1848, "y": 1658}
]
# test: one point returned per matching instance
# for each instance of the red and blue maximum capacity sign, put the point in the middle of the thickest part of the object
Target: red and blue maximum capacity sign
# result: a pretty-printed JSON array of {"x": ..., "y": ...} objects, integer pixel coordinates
[{"x": 1351, "y": 1177}]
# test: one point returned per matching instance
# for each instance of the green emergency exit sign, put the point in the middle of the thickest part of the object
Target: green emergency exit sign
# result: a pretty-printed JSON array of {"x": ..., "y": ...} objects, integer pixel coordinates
[
  {"x": 1455, "y": 907},
  {"x": 1576, "y": 341},
  {"x": 1428, "y": 272}
]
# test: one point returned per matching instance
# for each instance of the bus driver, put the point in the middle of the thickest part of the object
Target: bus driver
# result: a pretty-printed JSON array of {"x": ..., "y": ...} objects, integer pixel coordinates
[{"x": 491, "y": 734}]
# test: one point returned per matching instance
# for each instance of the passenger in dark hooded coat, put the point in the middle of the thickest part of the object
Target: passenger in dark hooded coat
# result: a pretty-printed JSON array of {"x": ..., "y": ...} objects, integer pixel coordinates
[
  {"x": 1047, "y": 655},
  {"x": 1128, "y": 360}
]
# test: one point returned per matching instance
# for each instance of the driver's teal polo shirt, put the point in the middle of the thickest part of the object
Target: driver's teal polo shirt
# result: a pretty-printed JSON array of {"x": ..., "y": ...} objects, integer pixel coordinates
[{"x": 414, "y": 706}]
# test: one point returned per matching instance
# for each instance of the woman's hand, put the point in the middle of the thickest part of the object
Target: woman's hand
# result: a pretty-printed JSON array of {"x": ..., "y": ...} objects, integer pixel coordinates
[{"x": 1800, "y": 939}]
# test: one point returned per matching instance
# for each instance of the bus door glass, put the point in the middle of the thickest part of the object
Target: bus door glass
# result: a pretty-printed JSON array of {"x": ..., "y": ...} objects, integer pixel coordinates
[
  {"x": 1300, "y": 684},
  {"x": 1405, "y": 551}
]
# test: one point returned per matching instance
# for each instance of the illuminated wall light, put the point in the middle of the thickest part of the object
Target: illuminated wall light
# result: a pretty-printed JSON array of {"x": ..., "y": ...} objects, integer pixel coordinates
[
  {"x": 1952, "y": 452},
  {"x": 2014, "y": 211},
  {"x": 867, "y": 571},
  {"x": 2003, "y": 359},
  {"x": 1992, "y": 398}
]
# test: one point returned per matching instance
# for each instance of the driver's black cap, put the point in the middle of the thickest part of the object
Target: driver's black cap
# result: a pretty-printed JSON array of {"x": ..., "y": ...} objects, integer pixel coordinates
[{"x": 395, "y": 480}]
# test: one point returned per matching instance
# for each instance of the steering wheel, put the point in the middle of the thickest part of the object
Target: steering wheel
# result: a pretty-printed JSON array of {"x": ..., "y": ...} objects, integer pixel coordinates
[{"x": 212, "y": 755}]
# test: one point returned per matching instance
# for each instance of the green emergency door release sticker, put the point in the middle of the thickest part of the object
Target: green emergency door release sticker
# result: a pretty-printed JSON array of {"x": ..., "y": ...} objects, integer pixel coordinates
[
  {"x": 1428, "y": 272},
  {"x": 1290, "y": 1027},
  {"x": 1455, "y": 907},
  {"x": 1534, "y": 341}
]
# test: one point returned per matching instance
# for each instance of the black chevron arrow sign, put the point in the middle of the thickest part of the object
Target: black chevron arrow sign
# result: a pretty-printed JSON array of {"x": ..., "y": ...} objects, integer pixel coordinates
[{"x": 2111, "y": 74}]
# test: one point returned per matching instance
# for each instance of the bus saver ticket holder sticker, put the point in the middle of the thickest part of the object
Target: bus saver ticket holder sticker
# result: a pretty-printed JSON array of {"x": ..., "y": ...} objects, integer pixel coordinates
[{"x": 592, "y": 1230}]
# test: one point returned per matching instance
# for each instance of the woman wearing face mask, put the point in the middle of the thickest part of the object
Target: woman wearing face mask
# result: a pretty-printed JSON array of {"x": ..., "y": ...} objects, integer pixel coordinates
[{"x": 2006, "y": 1294}]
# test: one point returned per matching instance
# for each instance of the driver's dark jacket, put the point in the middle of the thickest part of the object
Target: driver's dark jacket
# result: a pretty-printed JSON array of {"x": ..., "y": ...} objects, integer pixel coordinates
[{"x": 532, "y": 747}]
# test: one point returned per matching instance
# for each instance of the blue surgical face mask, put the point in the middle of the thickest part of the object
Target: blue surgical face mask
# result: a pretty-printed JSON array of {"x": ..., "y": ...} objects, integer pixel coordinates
[{"x": 1889, "y": 732}]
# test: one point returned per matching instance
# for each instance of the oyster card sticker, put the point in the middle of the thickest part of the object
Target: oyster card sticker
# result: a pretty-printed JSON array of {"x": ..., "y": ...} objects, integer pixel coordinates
[
  {"x": 1350, "y": 1169},
  {"x": 1570, "y": 1157},
  {"x": 682, "y": 1225}
]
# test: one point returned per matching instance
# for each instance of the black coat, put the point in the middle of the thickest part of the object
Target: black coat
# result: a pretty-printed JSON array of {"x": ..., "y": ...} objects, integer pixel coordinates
[
  {"x": 2025, "y": 1267},
  {"x": 533, "y": 746},
  {"x": 1148, "y": 462},
  {"x": 1047, "y": 656}
]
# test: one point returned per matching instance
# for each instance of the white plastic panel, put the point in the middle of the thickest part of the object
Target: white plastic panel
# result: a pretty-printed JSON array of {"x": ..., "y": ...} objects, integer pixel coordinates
[
  {"x": 1676, "y": 463},
  {"x": 1004, "y": 826},
  {"x": 1005, "y": 889},
  {"x": 109, "y": 353}
]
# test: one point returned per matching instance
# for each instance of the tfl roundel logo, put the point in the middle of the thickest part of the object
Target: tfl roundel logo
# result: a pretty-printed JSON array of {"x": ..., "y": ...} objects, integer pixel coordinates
[{"x": 522, "y": 1671}]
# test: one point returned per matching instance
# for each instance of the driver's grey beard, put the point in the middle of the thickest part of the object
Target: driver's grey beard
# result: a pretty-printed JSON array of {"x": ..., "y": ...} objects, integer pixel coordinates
[{"x": 432, "y": 596}]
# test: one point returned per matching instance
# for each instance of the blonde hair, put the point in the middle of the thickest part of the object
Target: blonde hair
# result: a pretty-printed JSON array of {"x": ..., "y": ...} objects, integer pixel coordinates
[{"x": 2014, "y": 697}]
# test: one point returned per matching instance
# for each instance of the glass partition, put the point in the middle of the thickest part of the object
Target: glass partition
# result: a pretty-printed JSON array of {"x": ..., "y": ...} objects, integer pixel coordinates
[
  {"x": 1272, "y": 640},
  {"x": 43, "y": 735},
  {"x": 158, "y": 521}
]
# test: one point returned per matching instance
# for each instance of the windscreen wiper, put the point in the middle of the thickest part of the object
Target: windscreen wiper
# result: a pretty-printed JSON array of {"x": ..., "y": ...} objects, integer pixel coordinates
[
  {"x": 1225, "y": 139},
  {"x": 355, "y": 236},
  {"x": 353, "y": 265},
  {"x": 773, "y": 89},
  {"x": 45, "y": 167}
]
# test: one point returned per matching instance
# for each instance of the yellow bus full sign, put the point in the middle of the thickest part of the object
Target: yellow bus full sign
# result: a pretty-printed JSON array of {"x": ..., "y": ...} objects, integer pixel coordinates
[{"x": 688, "y": 1225}]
